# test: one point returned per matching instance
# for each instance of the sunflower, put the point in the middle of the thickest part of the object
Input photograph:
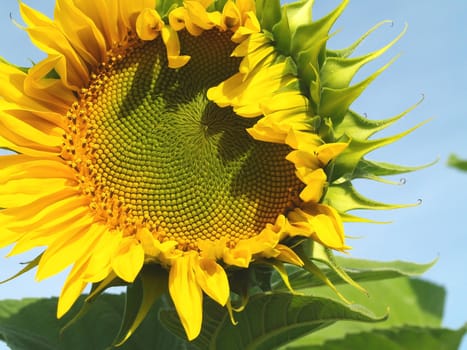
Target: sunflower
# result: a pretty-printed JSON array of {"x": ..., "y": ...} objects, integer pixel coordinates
[{"x": 201, "y": 137}]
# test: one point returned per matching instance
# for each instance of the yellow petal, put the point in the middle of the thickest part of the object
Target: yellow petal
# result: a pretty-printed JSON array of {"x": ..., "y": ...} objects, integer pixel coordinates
[
  {"x": 36, "y": 210},
  {"x": 315, "y": 181},
  {"x": 246, "y": 6},
  {"x": 246, "y": 96},
  {"x": 212, "y": 278},
  {"x": 177, "y": 18},
  {"x": 225, "y": 93},
  {"x": 288, "y": 255},
  {"x": 250, "y": 26},
  {"x": 103, "y": 14},
  {"x": 252, "y": 44},
  {"x": 283, "y": 113},
  {"x": 53, "y": 217},
  {"x": 129, "y": 11},
  {"x": 19, "y": 192},
  {"x": 304, "y": 159},
  {"x": 72, "y": 289},
  {"x": 186, "y": 295},
  {"x": 152, "y": 247},
  {"x": 68, "y": 247},
  {"x": 264, "y": 56},
  {"x": 129, "y": 259},
  {"x": 50, "y": 92},
  {"x": 172, "y": 43},
  {"x": 149, "y": 24},
  {"x": 303, "y": 140},
  {"x": 231, "y": 16},
  {"x": 12, "y": 89},
  {"x": 71, "y": 67},
  {"x": 22, "y": 128},
  {"x": 99, "y": 265},
  {"x": 319, "y": 221},
  {"x": 329, "y": 151},
  {"x": 8, "y": 236},
  {"x": 19, "y": 166},
  {"x": 82, "y": 32},
  {"x": 12, "y": 218},
  {"x": 238, "y": 256},
  {"x": 36, "y": 113},
  {"x": 33, "y": 17},
  {"x": 198, "y": 14}
]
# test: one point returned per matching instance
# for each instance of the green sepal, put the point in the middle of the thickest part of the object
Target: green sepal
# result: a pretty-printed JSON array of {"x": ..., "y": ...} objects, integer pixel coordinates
[
  {"x": 164, "y": 7},
  {"x": 268, "y": 13},
  {"x": 346, "y": 217},
  {"x": 293, "y": 16},
  {"x": 356, "y": 125},
  {"x": 97, "y": 289},
  {"x": 259, "y": 277},
  {"x": 457, "y": 163},
  {"x": 359, "y": 270},
  {"x": 83, "y": 311},
  {"x": 299, "y": 13},
  {"x": 315, "y": 89},
  {"x": 309, "y": 43},
  {"x": 326, "y": 256},
  {"x": 312, "y": 268},
  {"x": 22, "y": 69},
  {"x": 335, "y": 103},
  {"x": 372, "y": 170},
  {"x": 346, "y": 52},
  {"x": 338, "y": 72},
  {"x": 217, "y": 5},
  {"x": 240, "y": 282},
  {"x": 344, "y": 197},
  {"x": 282, "y": 35},
  {"x": 151, "y": 284},
  {"x": 29, "y": 266},
  {"x": 279, "y": 267},
  {"x": 347, "y": 162}
]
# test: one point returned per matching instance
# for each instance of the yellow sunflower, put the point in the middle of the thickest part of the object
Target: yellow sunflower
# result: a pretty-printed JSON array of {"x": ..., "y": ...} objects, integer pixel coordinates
[{"x": 199, "y": 136}]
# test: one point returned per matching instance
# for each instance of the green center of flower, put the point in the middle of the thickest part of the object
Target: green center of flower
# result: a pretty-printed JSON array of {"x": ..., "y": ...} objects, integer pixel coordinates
[{"x": 159, "y": 153}]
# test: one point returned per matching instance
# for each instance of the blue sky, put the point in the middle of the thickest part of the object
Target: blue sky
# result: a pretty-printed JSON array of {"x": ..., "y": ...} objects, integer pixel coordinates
[{"x": 432, "y": 64}]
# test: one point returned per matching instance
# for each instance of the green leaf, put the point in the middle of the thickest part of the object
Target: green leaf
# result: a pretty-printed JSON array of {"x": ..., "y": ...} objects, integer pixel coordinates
[
  {"x": 359, "y": 270},
  {"x": 22, "y": 329},
  {"x": 457, "y": 163},
  {"x": 407, "y": 338},
  {"x": 410, "y": 302},
  {"x": 31, "y": 324},
  {"x": 269, "y": 320}
]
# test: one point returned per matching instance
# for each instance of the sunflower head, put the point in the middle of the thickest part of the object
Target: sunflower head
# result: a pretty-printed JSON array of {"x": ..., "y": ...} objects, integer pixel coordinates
[{"x": 201, "y": 137}]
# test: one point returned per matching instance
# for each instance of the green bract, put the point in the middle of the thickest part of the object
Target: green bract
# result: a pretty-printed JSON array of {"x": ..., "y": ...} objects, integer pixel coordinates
[{"x": 326, "y": 77}]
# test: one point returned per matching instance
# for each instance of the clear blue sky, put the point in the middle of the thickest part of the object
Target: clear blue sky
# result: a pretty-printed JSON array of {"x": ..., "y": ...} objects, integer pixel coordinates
[{"x": 433, "y": 64}]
